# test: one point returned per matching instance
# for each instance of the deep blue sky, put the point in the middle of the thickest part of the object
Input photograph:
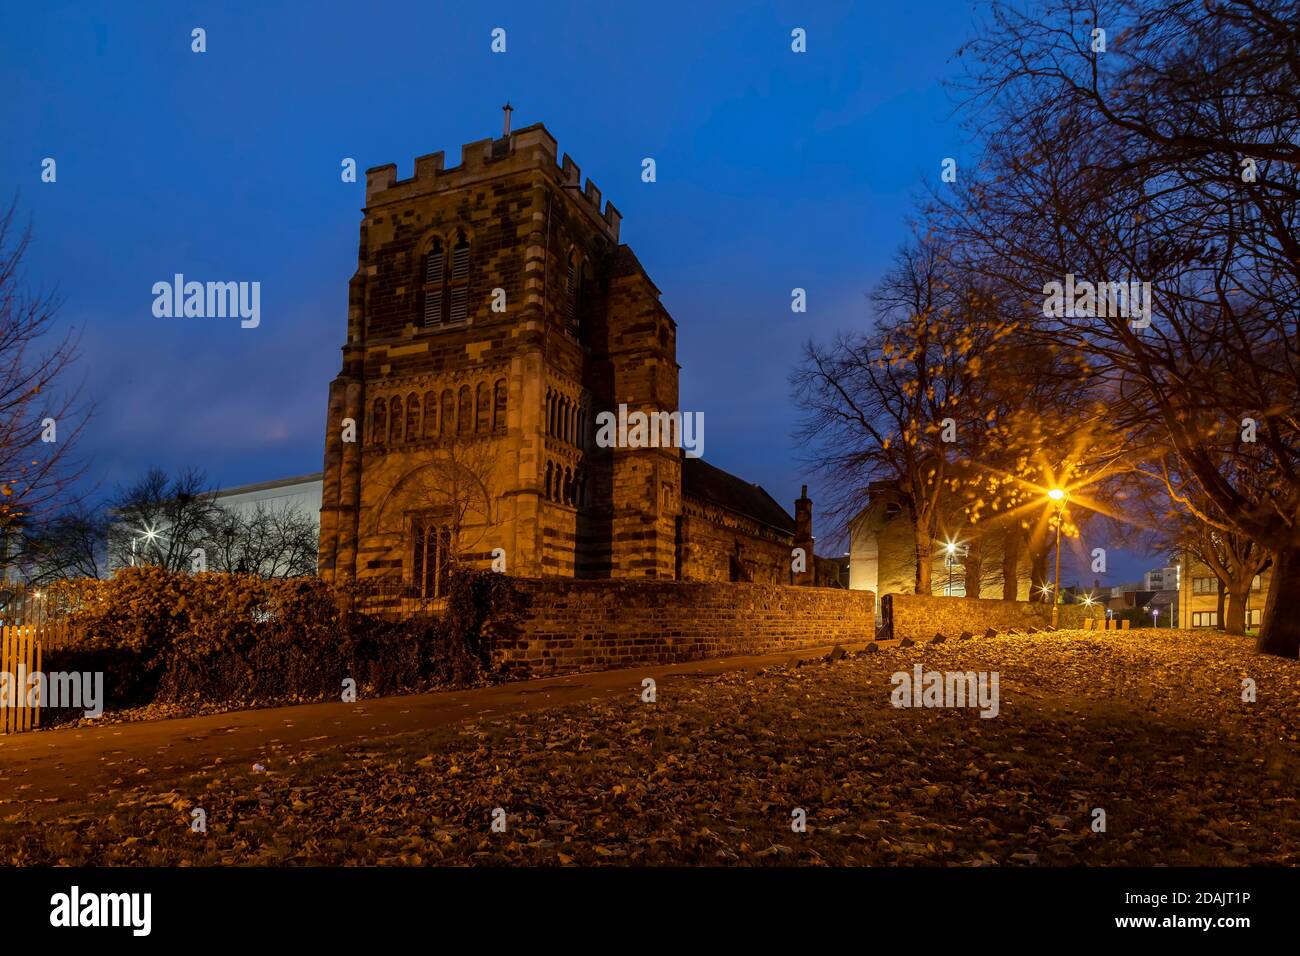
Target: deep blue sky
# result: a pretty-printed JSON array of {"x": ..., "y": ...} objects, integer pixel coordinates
[{"x": 775, "y": 170}]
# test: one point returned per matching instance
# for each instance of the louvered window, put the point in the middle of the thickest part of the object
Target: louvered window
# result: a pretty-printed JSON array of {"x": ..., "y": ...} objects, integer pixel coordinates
[
  {"x": 458, "y": 282},
  {"x": 460, "y": 259},
  {"x": 433, "y": 285},
  {"x": 459, "y": 304}
]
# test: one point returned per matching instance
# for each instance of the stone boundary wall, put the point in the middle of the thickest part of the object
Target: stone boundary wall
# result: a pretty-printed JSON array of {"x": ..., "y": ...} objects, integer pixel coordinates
[
  {"x": 570, "y": 626},
  {"x": 920, "y": 616}
]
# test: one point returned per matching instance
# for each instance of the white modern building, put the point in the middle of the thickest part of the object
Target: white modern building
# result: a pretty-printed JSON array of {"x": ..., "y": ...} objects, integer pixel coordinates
[{"x": 302, "y": 493}]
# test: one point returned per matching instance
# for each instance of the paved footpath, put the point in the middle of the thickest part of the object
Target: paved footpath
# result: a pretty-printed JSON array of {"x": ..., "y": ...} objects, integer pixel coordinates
[{"x": 67, "y": 764}]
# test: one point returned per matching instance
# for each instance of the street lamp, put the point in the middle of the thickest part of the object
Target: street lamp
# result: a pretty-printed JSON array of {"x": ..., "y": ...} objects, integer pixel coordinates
[
  {"x": 149, "y": 534},
  {"x": 951, "y": 549},
  {"x": 1057, "y": 495}
]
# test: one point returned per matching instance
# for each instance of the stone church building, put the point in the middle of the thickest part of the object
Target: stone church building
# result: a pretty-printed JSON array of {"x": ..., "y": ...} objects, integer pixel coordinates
[{"x": 493, "y": 314}]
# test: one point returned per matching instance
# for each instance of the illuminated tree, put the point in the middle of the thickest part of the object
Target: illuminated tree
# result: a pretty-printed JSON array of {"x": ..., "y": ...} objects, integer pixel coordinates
[{"x": 1168, "y": 158}]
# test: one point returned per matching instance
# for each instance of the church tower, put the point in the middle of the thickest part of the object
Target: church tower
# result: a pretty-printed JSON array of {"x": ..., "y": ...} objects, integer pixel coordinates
[{"x": 492, "y": 316}]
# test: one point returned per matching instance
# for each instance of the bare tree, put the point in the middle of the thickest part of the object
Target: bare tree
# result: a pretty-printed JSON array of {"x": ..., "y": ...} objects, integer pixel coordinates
[
  {"x": 72, "y": 543},
  {"x": 1164, "y": 155},
  {"x": 40, "y": 419},
  {"x": 456, "y": 486},
  {"x": 883, "y": 406},
  {"x": 273, "y": 542},
  {"x": 1233, "y": 558},
  {"x": 161, "y": 520}
]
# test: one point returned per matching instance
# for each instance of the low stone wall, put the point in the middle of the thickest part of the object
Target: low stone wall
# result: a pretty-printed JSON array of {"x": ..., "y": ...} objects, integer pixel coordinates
[
  {"x": 921, "y": 616},
  {"x": 568, "y": 626}
]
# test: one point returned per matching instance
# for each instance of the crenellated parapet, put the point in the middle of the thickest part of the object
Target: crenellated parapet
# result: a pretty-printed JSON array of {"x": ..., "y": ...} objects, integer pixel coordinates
[{"x": 532, "y": 147}]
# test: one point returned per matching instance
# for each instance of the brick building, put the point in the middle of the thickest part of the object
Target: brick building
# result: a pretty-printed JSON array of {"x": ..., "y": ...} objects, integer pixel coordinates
[
  {"x": 493, "y": 315},
  {"x": 1198, "y": 596}
]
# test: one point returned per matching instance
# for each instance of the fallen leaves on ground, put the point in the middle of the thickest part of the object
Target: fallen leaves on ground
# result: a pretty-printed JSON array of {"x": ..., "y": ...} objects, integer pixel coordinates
[{"x": 1149, "y": 726}]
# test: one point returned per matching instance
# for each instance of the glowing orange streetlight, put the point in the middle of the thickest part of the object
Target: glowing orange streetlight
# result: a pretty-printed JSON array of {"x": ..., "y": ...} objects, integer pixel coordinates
[
  {"x": 950, "y": 548},
  {"x": 1057, "y": 495}
]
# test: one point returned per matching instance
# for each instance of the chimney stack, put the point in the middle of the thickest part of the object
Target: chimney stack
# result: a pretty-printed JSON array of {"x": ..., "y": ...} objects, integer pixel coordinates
[{"x": 803, "y": 537}]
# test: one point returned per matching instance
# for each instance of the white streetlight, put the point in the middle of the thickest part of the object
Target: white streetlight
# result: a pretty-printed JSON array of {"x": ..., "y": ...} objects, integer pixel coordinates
[{"x": 149, "y": 534}]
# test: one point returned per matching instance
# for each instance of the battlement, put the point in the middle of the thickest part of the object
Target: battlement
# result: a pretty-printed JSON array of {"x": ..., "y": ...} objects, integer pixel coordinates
[{"x": 532, "y": 147}]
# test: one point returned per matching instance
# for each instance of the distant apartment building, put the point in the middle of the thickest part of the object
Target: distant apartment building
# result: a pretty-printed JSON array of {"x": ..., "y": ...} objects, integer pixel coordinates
[
  {"x": 1199, "y": 596},
  {"x": 1161, "y": 579}
]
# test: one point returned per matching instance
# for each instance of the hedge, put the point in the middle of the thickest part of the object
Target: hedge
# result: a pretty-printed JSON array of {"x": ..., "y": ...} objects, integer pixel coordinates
[{"x": 169, "y": 637}]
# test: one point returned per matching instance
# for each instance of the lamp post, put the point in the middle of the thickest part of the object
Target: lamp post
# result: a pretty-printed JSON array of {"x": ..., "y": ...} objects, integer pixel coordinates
[
  {"x": 952, "y": 550},
  {"x": 149, "y": 534},
  {"x": 1057, "y": 495}
]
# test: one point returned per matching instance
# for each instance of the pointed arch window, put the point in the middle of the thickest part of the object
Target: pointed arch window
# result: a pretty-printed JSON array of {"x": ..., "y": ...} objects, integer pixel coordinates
[{"x": 431, "y": 556}]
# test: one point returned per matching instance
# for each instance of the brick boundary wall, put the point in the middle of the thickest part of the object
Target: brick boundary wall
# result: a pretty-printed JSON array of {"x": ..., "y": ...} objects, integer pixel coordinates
[
  {"x": 920, "y": 616},
  {"x": 572, "y": 626}
]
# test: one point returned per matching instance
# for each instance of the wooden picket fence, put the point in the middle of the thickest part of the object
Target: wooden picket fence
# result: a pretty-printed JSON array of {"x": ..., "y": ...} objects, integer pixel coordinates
[{"x": 20, "y": 654}]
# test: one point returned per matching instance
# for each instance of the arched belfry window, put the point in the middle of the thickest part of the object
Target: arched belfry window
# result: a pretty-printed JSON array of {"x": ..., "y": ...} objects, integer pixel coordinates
[
  {"x": 434, "y": 273},
  {"x": 459, "y": 282}
]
